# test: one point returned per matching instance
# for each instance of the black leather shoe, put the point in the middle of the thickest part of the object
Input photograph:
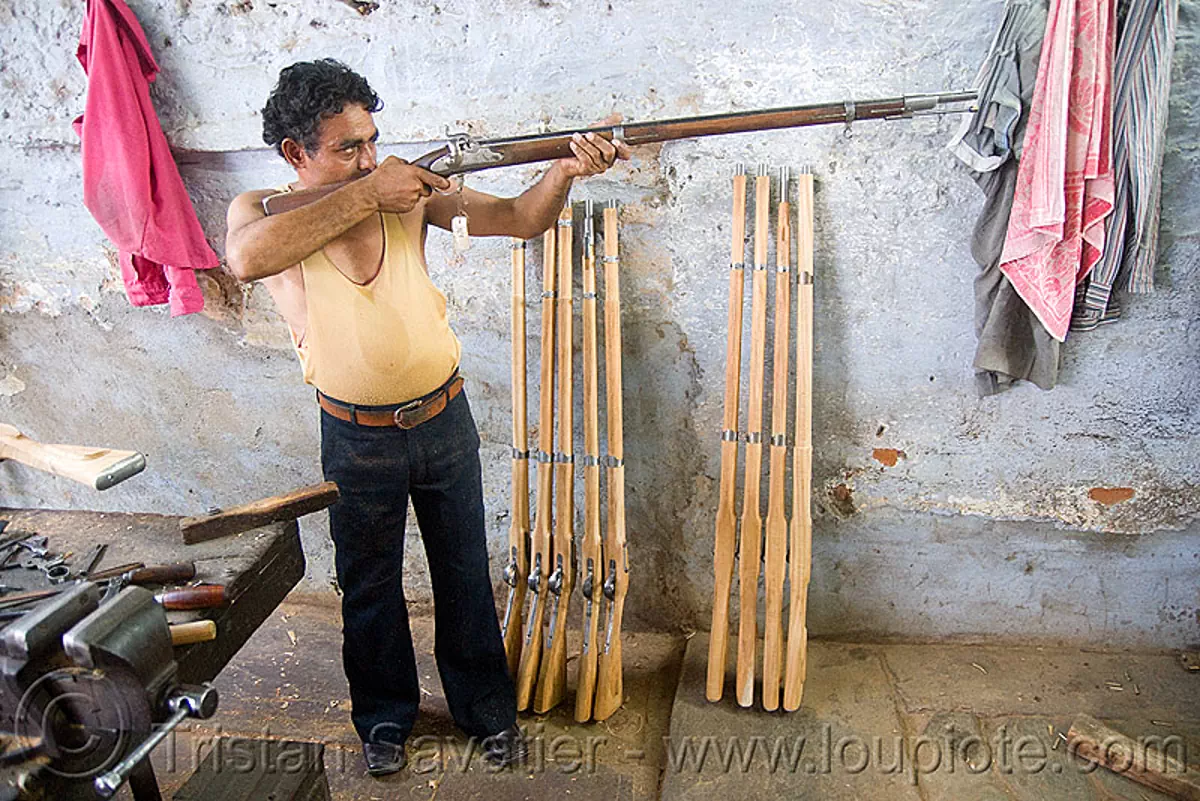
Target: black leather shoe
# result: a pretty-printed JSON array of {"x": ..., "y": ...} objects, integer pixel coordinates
[
  {"x": 509, "y": 747},
  {"x": 383, "y": 758}
]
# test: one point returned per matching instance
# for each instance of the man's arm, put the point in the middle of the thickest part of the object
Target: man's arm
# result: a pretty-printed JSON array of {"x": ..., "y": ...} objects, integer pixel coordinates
[
  {"x": 537, "y": 208},
  {"x": 258, "y": 246}
]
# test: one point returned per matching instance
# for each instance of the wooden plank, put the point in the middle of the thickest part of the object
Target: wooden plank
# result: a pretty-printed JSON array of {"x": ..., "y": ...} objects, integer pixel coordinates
[
  {"x": 1146, "y": 760},
  {"x": 276, "y": 509}
]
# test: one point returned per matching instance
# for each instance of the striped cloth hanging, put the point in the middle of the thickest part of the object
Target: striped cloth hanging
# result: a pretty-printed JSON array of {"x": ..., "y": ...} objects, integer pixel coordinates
[{"x": 1142, "y": 86}]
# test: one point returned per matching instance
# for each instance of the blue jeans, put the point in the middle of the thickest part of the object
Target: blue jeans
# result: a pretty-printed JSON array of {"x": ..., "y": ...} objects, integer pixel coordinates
[{"x": 377, "y": 471}]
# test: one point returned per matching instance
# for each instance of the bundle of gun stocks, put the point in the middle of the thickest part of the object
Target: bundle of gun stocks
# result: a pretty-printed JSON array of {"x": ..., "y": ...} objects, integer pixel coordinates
[
  {"x": 788, "y": 545},
  {"x": 542, "y": 567}
]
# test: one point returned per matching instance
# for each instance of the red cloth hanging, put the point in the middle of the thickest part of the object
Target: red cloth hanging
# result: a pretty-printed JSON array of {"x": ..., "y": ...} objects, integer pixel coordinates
[{"x": 130, "y": 182}]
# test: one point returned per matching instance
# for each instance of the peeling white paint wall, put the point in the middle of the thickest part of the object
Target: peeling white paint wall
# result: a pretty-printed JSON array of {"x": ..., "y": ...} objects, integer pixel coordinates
[{"x": 216, "y": 401}]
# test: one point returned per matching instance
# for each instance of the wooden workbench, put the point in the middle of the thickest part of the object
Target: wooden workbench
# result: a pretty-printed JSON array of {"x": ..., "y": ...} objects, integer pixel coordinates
[{"x": 257, "y": 567}]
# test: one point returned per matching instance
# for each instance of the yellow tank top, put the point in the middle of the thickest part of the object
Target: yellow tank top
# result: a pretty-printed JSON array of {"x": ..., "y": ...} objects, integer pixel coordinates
[{"x": 383, "y": 342}]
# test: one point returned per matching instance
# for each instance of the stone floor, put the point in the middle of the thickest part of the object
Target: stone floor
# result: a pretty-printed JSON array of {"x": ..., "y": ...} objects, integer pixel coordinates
[
  {"x": 894, "y": 722},
  {"x": 929, "y": 723}
]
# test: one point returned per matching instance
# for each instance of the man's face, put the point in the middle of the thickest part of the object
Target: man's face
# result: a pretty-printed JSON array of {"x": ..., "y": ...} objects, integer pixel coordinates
[{"x": 346, "y": 147}]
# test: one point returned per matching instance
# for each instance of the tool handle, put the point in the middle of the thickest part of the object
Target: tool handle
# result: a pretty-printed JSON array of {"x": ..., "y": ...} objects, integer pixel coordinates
[
  {"x": 204, "y": 596},
  {"x": 20, "y": 598},
  {"x": 193, "y": 632},
  {"x": 188, "y": 702},
  {"x": 164, "y": 574}
]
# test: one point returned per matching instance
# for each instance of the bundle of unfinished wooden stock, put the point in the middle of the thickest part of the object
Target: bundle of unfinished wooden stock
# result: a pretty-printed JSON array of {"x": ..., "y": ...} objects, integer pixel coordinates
[
  {"x": 541, "y": 572},
  {"x": 787, "y": 554}
]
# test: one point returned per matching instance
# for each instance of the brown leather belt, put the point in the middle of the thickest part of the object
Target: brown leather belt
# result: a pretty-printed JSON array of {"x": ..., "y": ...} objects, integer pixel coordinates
[{"x": 406, "y": 415}]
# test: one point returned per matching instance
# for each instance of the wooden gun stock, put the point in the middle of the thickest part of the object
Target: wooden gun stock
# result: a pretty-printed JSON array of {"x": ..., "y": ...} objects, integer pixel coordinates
[
  {"x": 800, "y": 561},
  {"x": 775, "y": 562},
  {"x": 99, "y": 468},
  {"x": 725, "y": 541},
  {"x": 750, "y": 546}
]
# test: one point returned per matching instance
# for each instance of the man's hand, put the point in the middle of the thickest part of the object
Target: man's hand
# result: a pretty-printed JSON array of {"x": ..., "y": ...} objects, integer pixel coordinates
[
  {"x": 398, "y": 186},
  {"x": 593, "y": 154}
]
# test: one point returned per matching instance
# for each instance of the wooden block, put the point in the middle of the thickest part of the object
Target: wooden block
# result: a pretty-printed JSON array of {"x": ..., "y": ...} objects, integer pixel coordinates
[{"x": 276, "y": 509}]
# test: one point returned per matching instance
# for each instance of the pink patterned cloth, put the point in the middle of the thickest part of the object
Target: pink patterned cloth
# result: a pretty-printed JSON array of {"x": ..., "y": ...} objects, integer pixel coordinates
[
  {"x": 1065, "y": 181},
  {"x": 130, "y": 182}
]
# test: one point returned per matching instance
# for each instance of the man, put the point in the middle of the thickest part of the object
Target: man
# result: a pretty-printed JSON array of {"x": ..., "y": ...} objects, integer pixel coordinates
[{"x": 348, "y": 274}]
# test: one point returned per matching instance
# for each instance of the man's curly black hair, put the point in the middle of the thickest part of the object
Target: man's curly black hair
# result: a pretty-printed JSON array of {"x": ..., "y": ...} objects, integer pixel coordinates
[{"x": 308, "y": 92}]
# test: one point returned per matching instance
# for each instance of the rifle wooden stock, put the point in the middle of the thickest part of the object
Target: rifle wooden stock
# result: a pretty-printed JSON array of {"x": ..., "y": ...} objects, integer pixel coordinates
[
  {"x": 531, "y": 649},
  {"x": 750, "y": 552},
  {"x": 725, "y": 541},
  {"x": 799, "y": 568},
  {"x": 610, "y": 688},
  {"x": 552, "y": 680},
  {"x": 462, "y": 154},
  {"x": 777, "y": 528},
  {"x": 591, "y": 547},
  {"x": 517, "y": 572},
  {"x": 99, "y": 468}
]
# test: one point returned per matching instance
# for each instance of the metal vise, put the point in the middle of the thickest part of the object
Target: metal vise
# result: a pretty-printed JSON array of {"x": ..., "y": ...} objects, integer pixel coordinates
[{"x": 90, "y": 680}]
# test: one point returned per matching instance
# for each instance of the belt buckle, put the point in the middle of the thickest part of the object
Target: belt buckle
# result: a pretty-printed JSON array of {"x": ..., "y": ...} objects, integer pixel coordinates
[{"x": 413, "y": 405}]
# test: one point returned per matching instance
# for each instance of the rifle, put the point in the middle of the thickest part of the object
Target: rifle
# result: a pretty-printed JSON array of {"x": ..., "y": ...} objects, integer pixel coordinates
[
  {"x": 463, "y": 153},
  {"x": 591, "y": 549},
  {"x": 516, "y": 573},
  {"x": 539, "y": 567},
  {"x": 610, "y": 681},
  {"x": 552, "y": 680}
]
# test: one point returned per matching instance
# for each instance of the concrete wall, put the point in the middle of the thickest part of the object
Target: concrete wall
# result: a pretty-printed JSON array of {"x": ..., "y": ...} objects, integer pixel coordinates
[{"x": 986, "y": 523}]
